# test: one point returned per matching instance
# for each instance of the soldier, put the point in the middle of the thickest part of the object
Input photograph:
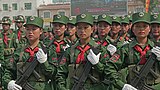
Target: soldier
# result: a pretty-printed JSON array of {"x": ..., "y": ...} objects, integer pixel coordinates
[
  {"x": 132, "y": 56},
  {"x": 10, "y": 43},
  {"x": 19, "y": 21},
  {"x": 59, "y": 44},
  {"x": 34, "y": 50},
  {"x": 124, "y": 38},
  {"x": 115, "y": 29},
  {"x": 104, "y": 26},
  {"x": 71, "y": 29},
  {"x": 155, "y": 27},
  {"x": 45, "y": 36},
  {"x": 76, "y": 58},
  {"x": 1, "y": 60}
]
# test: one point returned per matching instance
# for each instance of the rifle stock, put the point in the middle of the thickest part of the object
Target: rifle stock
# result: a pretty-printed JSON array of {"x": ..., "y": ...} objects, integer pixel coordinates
[
  {"x": 22, "y": 80},
  {"x": 139, "y": 80},
  {"x": 79, "y": 82}
]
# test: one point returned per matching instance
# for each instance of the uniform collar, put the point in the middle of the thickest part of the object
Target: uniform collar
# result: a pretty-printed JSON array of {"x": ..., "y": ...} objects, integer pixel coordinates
[
  {"x": 90, "y": 43},
  {"x": 149, "y": 42}
]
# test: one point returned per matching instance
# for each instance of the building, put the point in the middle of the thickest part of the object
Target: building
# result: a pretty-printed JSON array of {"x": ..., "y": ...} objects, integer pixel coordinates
[
  {"x": 12, "y": 8},
  {"x": 47, "y": 11}
]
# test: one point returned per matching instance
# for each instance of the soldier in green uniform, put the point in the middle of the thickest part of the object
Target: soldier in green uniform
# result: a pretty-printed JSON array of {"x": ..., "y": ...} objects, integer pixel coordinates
[
  {"x": 10, "y": 43},
  {"x": 20, "y": 30},
  {"x": 75, "y": 58},
  {"x": 119, "y": 69},
  {"x": 45, "y": 36},
  {"x": 124, "y": 38},
  {"x": 115, "y": 29},
  {"x": 1, "y": 60},
  {"x": 59, "y": 44},
  {"x": 71, "y": 29},
  {"x": 155, "y": 27},
  {"x": 34, "y": 50},
  {"x": 104, "y": 26}
]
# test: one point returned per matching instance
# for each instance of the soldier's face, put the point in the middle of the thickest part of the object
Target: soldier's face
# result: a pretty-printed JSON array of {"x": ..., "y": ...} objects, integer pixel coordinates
[
  {"x": 5, "y": 27},
  {"x": 141, "y": 29},
  {"x": 71, "y": 29},
  {"x": 84, "y": 30},
  {"x": 116, "y": 27},
  {"x": 59, "y": 29},
  {"x": 19, "y": 24},
  {"x": 155, "y": 29},
  {"x": 103, "y": 28},
  {"x": 33, "y": 32},
  {"x": 125, "y": 27}
]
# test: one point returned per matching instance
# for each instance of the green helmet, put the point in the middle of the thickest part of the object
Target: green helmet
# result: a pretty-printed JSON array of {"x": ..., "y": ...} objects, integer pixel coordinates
[
  {"x": 124, "y": 19},
  {"x": 116, "y": 19},
  {"x": 6, "y": 20},
  {"x": 105, "y": 18},
  {"x": 60, "y": 19},
  {"x": 33, "y": 20},
  {"x": 155, "y": 18},
  {"x": 20, "y": 18},
  {"x": 141, "y": 17},
  {"x": 95, "y": 19},
  {"x": 72, "y": 20},
  {"x": 45, "y": 29},
  {"x": 85, "y": 18}
]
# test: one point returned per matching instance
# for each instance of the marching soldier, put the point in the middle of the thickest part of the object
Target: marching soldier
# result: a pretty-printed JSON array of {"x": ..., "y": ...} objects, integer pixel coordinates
[
  {"x": 19, "y": 21},
  {"x": 10, "y": 43},
  {"x": 155, "y": 27},
  {"x": 124, "y": 38},
  {"x": 115, "y": 29},
  {"x": 78, "y": 55},
  {"x": 26, "y": 56},
  {"x": 59, "y": 44},
  {"x": 120, "y": 69},
  {"x": 71, "y": 29},
  {"x": 104, "y": 26}
]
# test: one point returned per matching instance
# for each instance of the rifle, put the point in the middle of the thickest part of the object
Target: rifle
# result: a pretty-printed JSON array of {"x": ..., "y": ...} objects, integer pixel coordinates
[
  {"x": 22, "y": 80},
  {"x": 139, "y": 80},
  {"x": 79, "y": 82}
]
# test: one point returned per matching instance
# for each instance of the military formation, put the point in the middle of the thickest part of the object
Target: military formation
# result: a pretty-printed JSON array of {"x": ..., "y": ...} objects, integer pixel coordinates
[{"x": 85, "y": 52}]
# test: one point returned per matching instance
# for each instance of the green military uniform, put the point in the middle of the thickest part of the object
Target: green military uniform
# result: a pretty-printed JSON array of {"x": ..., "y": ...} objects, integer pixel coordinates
[
  {"x": 23, "y": 57},
  {"x": 10, "y": 43},
  {"x": 155, "y": 19},
  {"x": 21, "y": 31},
  {"x": 1, "y": 59},
  {"x": 56, "y": 48},
  {"x": 124, "y": 36},
  {"x": 71, "y": 21},
  {"x": 119, "y": 69},
  {"x": 46, "y": 40},
  {"x": 107, "y": 19},
  {"x": 72, "y": 64},
  {"x": 115, "y": 19}
]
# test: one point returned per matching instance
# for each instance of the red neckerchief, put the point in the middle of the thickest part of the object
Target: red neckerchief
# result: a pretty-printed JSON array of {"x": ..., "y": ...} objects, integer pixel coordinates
[
  {"x": 19, "y": 34},
  {"x": 31, "y": 53},
  {"x": 80, "y": 57},
  {"x": 5, "y": 38},
  {"x": 142, "y": 52},
  {"x": 104, "y": 43},
  {"x": 58, "y": 48}
]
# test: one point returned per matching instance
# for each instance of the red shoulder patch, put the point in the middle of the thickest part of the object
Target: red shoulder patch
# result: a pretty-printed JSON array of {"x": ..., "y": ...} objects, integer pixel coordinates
[{"x": 115, "y": 57}]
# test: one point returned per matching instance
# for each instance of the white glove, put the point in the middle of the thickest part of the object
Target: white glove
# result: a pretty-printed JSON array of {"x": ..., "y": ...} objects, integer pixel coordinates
[
  {"x": 13, "y": 86},
  {"x": 111, "y": 48},
  {"x": 67, "y": 46},
  {"x": 94, "y": 59},
  {"x": 156, "y": 51},
  {"x": 41, "y": 56},
  {"x": 125, "y": 42},
  {"x": 128, "y": 87}
]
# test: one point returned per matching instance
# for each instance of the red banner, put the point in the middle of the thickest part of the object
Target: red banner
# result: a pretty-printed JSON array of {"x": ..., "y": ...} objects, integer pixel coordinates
[{"x": 147, "y": 5}]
